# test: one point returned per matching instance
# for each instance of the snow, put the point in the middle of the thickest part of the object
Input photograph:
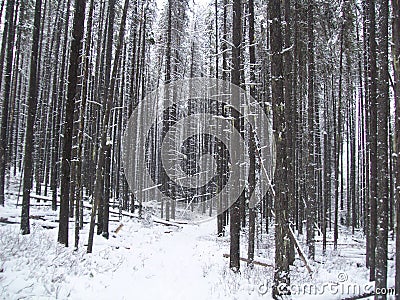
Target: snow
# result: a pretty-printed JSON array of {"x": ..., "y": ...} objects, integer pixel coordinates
[{"x": 147, "y": 260}]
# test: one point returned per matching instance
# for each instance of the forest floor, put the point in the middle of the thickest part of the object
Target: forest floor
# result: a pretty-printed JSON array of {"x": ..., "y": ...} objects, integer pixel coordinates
[{"x": 146, "y": 260}]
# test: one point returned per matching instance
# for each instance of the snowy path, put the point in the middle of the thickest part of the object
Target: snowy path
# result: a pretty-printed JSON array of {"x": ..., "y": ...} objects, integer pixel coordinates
[{"x": 161, "y": 263}]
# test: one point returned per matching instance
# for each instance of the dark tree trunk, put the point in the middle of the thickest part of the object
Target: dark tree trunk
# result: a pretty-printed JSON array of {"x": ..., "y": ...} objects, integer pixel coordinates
[
  {"x": 290, "y": 120},
  {"x": 85, "y": 87},
  {"x": 4, "y": 40},
  {"x": 60, "y": 97},
  {"x": 105, "y": 90},
  {"x": 107, "y": 187},
  {"x": 338, "y": 141},
  {"x": 234, "y": 262},
  {"x": 29, "y": 137},
  {"x": 311, "y": 180},
  {"x": 252, "y": 152},
  {"x": 383, "y": 112},
  {"x": 396, "y": 62},
  {"x": 74, "y": 67},
  {"x": 103, "y": 141},
  {"x": 168, "y": 78},
  {"x": 372, "y": 74},
  {"x": 281, "y": 274},
  {"x": 9, "y": 27}
]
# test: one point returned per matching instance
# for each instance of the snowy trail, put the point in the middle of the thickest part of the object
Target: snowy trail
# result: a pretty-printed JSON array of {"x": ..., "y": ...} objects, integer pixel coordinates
[{"x": 161, "y": 263}]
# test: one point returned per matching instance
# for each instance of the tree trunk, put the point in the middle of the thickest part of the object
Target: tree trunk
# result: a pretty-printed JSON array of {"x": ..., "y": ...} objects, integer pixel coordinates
[
  {"x": 105, "y": 90},
  {"x": 9, "y": 26},
  {"x": 234, "y": 259},
  {"x": 29, "y": 137},
  {"x": 290, "y": 120},
  {"x": 107, "y": 187},
  {"x": 396, "y": 67},
  {"x": 311, "y": 180},
  {"x": 281, "y": 274},
  {"x": 60, "y": 97},
  {"x": 104, "y": 134},
  {"x": 252, "y": 152},
  {"x": 383, "y": 112},
  {"x": 372, "y": 74},
  {"x": 74, "y": 67}
]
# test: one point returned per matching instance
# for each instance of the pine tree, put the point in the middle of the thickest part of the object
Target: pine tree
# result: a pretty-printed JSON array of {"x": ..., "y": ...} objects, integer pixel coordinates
[
  {"x": 372, "y": 134},
  {"x": 311, "y": 180},
  {"x": 29, "y": 136},
  {"x": 281, "y": 272},
  {"x": 73, "y": 73},
  {"x": 99, "y": 187},
  {"x": 383, "y": 112},
  {"x": 396, "y": 67},
  {"x": 10, "y": 33},
  {"x": 234, "y": 211},
  {"x": 252, "y": 150}
]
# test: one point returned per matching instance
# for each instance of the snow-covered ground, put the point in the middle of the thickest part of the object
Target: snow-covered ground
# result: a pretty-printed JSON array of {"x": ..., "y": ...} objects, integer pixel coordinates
[{"x": 146, "y": 260}]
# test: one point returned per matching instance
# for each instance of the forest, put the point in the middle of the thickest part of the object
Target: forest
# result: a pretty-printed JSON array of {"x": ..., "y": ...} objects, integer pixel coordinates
[{"x": 283, "y": 117}]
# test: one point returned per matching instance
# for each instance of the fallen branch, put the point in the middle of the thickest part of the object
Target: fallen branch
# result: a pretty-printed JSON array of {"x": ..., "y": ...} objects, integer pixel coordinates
[
  {"x": 301, "y": 253},
  {"x": 33, "y": 196},
  {"x": 112, "y": 211},
  {"x": 166, "y": 223},
  {"x": 131, "y": 215},
  {"x": 253, "y": 262},
  {"x": 6, "y": 221},
  {"x": 298, "y": 248},
  {"x": 118, "y": 228}
]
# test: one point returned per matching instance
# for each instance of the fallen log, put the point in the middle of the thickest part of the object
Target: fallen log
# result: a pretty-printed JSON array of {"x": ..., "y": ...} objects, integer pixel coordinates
[
  {"x": 112, "y": 211},
  {"x": 33, "y": 196},
  {"x": 6, "y": 221},
  {"x": 254, "y": 262},
  {"x": 166, "y": 223}
]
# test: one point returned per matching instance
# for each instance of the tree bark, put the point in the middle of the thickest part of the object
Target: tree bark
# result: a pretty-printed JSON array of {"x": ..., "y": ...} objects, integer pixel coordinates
[
  {"x": 281, "y": 274},
  {"x": 104, "y": 134},
  {"x": 234, "y": 261},
  {"x": 383, "y": 112},
  {"x": 251, "y": 151},
  {"x": 311, "y": 180},
  {"x": 9, "y": 27},
  {"x": 74, "y": 68},
  {"x": 372, "y": 135},
  {"x": 29, "y": 137},
  {"x": 396, "y": 67}
]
